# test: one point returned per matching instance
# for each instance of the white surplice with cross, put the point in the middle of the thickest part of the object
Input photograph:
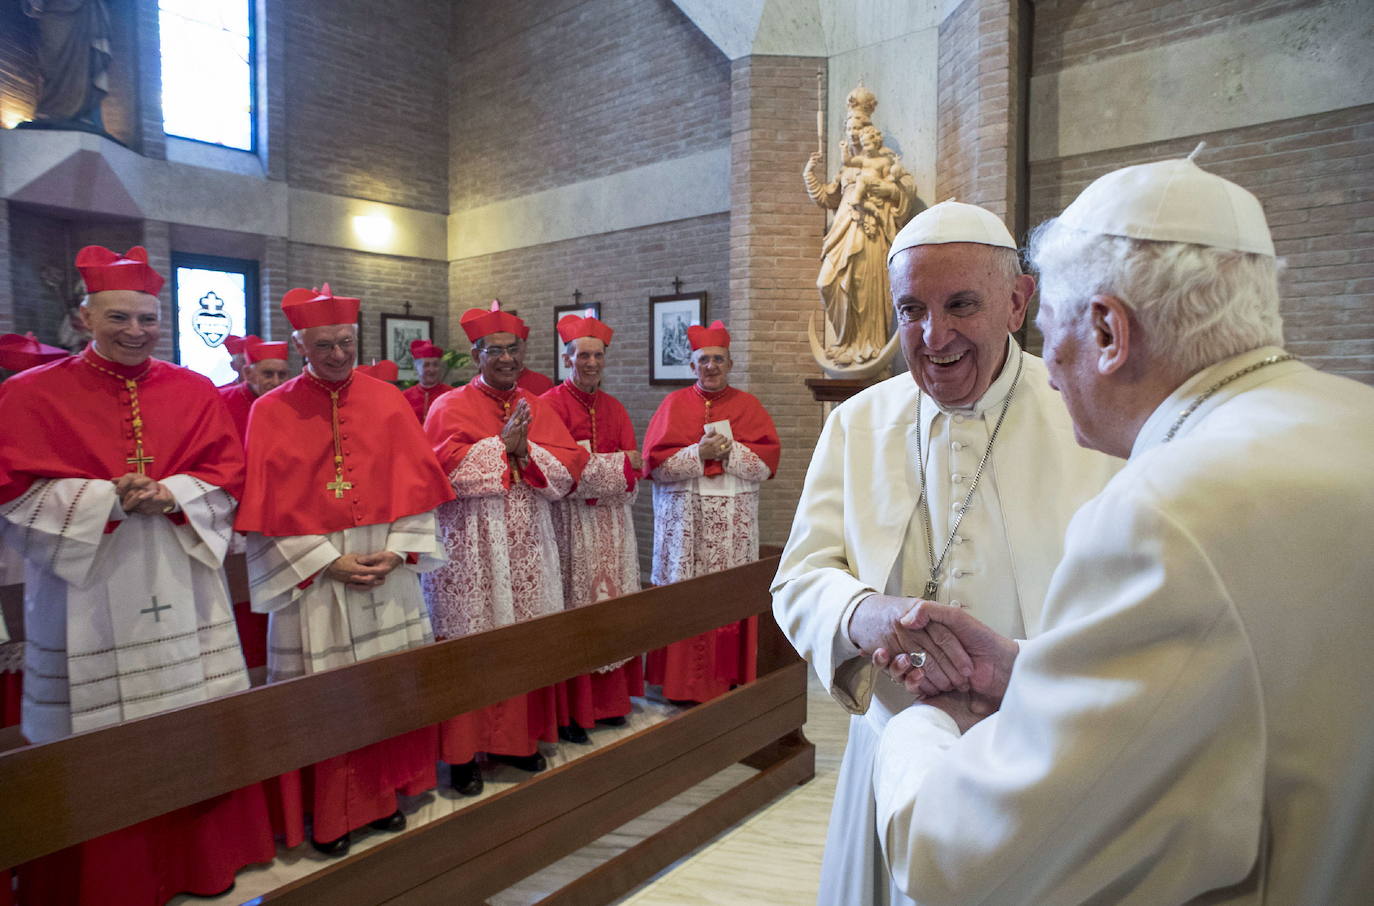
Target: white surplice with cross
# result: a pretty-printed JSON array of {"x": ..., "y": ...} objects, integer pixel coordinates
[
  {"x": 316, "y": 622},
  {"x": 125, "y": 614}
]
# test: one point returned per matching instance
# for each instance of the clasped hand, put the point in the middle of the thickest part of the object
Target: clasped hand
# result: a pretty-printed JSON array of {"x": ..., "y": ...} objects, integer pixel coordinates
[
  {"x": 516, "y": 429},
  {"x": 363, "y": 571},
  {"x": 141, "y": 494},
  {"x": 967, "y": 665},
  {"x": 713, "y": 445}
]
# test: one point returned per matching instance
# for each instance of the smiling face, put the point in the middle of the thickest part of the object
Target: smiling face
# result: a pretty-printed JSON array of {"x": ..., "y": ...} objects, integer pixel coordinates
[
  {"x": 329, "y": 350},
  {"x": 124, "y": 324},
  {"x": 711, "y": 365},
  {"x": 500, "y": 359},
  {"x": 586, "y": 356},
  {"x": 955, "y": 304},
  {"x": 431, "y": 370}
]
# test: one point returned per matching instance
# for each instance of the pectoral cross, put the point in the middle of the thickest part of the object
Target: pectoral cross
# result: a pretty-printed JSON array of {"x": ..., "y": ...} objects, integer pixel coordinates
[
  {"x": 138, "y": 460},
  {"x": 932, "y": 588},
  {"x": 338, "y": 485},
  {"x": 156, "y": 610}
]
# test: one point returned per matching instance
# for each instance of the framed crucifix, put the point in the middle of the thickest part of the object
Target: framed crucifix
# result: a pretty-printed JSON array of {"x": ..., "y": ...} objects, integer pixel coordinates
[
  {"x": 670, "y": 353},
  {"x": 397, "y": 332}
]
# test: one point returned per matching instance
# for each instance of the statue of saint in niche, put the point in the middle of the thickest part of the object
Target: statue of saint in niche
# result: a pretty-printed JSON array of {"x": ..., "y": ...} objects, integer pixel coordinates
[
  {"x": 74, "y": 58},
  {"x": 873, "y": 196}
]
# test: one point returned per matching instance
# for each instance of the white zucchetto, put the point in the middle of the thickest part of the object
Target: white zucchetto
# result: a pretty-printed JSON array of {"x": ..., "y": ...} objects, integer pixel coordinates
[
  {"x": 952, "y": 221},
  {"x": 1172, "y": 201}
]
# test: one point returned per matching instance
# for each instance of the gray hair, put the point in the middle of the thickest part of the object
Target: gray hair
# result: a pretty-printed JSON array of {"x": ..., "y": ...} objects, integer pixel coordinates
[{"x": 1197, "y": 304}]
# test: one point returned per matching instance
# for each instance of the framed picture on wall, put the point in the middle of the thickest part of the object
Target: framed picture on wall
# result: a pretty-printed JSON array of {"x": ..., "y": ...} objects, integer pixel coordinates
[
  {"x": 670, "y": 353},
  {"x": 397, "y": 332},
  {"x": 586, "y": 310}
]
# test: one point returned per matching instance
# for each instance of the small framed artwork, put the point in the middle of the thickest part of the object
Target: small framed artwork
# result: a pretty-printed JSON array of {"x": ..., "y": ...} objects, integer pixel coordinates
[
  {"x": 670, "y": 353},
  {"x": 397, "y": 332},
  {"x": 587, "y": 310}
]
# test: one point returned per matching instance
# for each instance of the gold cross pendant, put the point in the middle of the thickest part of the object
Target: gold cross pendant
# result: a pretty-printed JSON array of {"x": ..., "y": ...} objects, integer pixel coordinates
[
  {"x": 338, "y": 485},
  {"x": 138, "y": 460}
]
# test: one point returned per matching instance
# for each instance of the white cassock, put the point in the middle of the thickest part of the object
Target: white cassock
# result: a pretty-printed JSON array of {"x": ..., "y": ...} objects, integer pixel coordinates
[
  {"x": 1194, "y": 724},
  {"x": 328, "y": 624},
  {"x": 596, "y": 535},
  {"x": 858, "y": 531},
  {"x": 705, "y": 524},
  {"x": 124, "y": 623},
  {"x": 503, "y": 559}
]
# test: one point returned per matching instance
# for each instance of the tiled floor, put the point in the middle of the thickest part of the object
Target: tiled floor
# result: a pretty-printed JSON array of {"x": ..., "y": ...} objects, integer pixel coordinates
[{"x": 771, "y": 858}]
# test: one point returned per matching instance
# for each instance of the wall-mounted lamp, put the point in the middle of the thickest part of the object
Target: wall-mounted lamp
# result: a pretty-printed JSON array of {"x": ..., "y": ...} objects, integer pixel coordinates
[{"x": 373, "y": 229}]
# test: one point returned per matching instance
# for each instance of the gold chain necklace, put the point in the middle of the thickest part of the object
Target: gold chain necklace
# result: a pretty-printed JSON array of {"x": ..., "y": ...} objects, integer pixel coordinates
[{"x": 1207, "y": 394}]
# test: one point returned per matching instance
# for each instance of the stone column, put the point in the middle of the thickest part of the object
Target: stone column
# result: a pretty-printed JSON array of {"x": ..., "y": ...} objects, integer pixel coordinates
[{"x": 775, "y": 241}]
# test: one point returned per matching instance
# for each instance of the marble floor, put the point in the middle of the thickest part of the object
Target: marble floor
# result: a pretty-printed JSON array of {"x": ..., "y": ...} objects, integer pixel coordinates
[{"x": 773, "y": 857}]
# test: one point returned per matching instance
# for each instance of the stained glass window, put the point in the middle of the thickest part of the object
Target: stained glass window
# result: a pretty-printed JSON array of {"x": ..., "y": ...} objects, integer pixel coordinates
[
  {"x": 213, "y": 299},
  {"x": 207, "y": 70}
]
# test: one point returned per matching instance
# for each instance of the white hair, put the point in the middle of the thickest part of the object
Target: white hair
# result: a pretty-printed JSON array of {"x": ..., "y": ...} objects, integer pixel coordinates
[{"x": 1197, "y": 304}]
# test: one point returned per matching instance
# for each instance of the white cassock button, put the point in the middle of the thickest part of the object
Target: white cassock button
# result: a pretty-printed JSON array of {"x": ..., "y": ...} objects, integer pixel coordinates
[
  {"x": 958, "y": 419},
  {"x": 956, "y": 446},
  {"x": 958, "y": 505},
  {"x": 958, "y": 539},
  {"x": 956, "y": 604},
  {"x": 957, "y": 478},
  {"x": 960, "y": 573}
]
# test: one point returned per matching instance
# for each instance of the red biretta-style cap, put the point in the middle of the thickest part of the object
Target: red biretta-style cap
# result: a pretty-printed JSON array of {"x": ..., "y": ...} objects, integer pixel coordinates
[
  {"x": 305, "y": 308},
  {"x": 19, "y": 352},
  {"x": 424, "y": 349},
  {"x": 481, "y": 322},
  {"x": 104, "y": 270},
  {"x": 256, "y": 350},
  {"x": 574, "y": 327},
  {"x": 715, "y": 335}
]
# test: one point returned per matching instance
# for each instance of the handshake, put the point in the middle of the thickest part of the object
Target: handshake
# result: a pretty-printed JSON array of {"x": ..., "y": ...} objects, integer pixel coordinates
[{"x": 940, "y": 654}]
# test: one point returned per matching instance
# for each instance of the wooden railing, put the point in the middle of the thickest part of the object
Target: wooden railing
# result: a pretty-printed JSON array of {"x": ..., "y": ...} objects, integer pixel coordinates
[{"x": 71, "y": 790}]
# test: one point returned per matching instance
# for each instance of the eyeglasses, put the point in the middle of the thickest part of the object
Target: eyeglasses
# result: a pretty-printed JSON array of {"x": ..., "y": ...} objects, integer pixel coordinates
[{"x": 497, "y": 352}]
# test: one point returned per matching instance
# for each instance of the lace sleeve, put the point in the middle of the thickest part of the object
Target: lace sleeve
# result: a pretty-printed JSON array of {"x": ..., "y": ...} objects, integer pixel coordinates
[
  {"x": 558, "y": 480},
  {"x": 745, "y": 463},
  {"x": 484, "y": 471},
  {"x": 603, "y": 479},
  {"x": 683, "y": 465}
]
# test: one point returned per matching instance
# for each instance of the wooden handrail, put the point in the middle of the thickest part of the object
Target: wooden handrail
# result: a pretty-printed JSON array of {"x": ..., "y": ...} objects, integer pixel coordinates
[{"x": 76, "y": 788}]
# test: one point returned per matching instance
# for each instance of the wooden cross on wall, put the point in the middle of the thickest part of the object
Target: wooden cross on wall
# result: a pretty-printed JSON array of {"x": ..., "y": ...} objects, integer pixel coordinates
[
  {"x": 677, "y": 284},
  {"x": 577, "y": 297}
]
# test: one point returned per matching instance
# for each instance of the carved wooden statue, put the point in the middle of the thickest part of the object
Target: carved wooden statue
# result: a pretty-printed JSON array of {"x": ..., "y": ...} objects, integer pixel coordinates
[{"x": 74, "y": 57}]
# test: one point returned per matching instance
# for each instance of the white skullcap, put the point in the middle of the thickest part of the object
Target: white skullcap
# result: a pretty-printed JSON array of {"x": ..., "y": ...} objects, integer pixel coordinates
[
  {"x": 952, "y": 221},
  {"x": 1172, "y": 201}
]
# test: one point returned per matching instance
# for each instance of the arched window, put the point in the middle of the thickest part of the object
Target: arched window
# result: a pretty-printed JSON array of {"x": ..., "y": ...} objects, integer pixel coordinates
[{"x": 208, "y": 71}]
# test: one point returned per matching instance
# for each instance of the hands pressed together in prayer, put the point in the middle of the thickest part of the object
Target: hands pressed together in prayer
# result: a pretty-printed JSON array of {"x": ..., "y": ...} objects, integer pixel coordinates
[
  {"x": 141, "y": 494},
  {"x": 363, "y": 571},
  {"x": 516, "y": 431},
  {"x": 713, "y": 446},
  {"x": 967, "y": 665}
]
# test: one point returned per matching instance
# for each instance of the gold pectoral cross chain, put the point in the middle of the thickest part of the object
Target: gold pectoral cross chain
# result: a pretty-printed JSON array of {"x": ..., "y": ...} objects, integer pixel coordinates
[{"x": 338, "y": 485}]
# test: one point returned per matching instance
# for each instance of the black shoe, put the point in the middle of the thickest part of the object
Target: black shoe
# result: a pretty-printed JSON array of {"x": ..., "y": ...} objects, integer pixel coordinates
[
  {"x": 396, "y": 821},
  {"x": 612, "y": 721},
  {"x": 333, "y": 848},
  {"x": 683, "y": 702},
  {"x": 532, "y": 763},
  {"x": 466, "y": 779},
  {"x": 574, "y": 733}
]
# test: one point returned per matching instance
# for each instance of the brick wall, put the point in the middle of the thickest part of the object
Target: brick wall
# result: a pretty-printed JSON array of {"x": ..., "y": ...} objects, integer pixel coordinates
[
  {"x": 578, "y": 92},
  {"x": 383, "y": 282},
  {"x": 979, "y": 138},
  {"x": 621, "y": 271},
  {"x": 1070, "y": 32},
  {"x": 775, "y": 241},
  {"x": 1313, "y": 176},
  {"x": 366, "y": 100}
]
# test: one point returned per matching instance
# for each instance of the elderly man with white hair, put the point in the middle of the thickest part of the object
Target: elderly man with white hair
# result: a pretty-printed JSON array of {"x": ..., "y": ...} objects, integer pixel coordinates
[
  {"x": 952, "y": 483},
  {"x": 1191, "y": 725}
]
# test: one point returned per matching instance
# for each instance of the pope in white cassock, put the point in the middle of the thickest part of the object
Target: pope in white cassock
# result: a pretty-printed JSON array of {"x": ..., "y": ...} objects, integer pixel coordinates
[
  {"x": 952, "y": 483},
  {"x": 1193, "y": 724}
]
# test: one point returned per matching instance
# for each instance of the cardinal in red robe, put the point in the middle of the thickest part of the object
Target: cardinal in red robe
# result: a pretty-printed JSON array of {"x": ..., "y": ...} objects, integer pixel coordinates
[
  {"x": 508, "y": 457},
  {"x": 123, "y": 472},
  {"x": 429, "y": 364},
  {"x": 708, "y": 448},
  {"x": 339, "y": 512}
]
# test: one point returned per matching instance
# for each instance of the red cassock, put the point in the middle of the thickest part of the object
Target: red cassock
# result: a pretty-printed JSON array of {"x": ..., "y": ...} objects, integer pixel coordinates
[
  {"x": 394, "y": 474},
  {"x": 70, "y": 420},
  {"x": 421, "y": 398},
  {"x": 536, "y": 383},
  {"x": 597, "y": 696},
  {"x": 699, "y": 668},
  {"x": 467, "y": 416},
  {"x": 238, "y": 399}
]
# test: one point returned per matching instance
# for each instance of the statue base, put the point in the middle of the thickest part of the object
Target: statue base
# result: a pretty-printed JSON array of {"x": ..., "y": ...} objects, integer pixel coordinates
[{"x": 835, "y": 390}]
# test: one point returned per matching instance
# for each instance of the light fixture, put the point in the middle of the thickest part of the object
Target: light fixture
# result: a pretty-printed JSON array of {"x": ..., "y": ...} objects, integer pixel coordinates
[{"x": 373, "y": 229}]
